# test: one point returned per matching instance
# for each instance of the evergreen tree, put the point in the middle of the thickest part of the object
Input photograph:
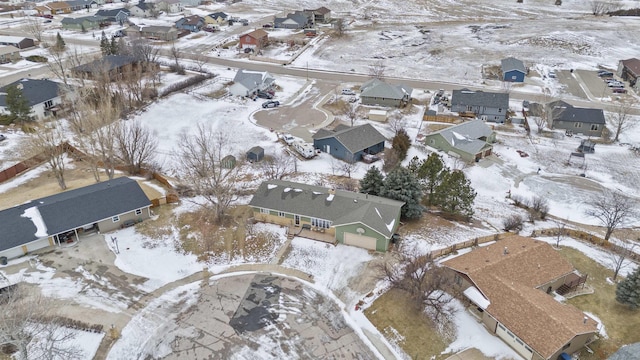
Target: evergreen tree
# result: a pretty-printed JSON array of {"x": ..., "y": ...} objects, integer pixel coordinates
[
  {"x": 455, "y": 195},
  {"x": 414, "y": 165},
  {"x": 113, "y": 47},
  {"x": 401, "y": 143},
  {"x": 104, "y": 44},
  {"x": 628, "y": 290},
  {"x": 372, "y": 182},
  {"x": 401, "y": 185},
  {"x": 60, "y": 44},
  {"x": 431, "y": 174},
  {"x": 18, "y": 105}
]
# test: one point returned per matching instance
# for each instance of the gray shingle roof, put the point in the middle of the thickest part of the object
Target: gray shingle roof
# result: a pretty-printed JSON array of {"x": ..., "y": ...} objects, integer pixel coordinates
[
  {"x": 71, "y": 209},
  {"x": 35, "y": 90},
  {"x": 465, "y": 136},
  {"x": 252, "y": 79},
  {"x": 512, "y": 63},
  {"x": 217, "y": 15},
  {"x": 345, "y": 207},
  {"x": 380, "y": 89},
  {"x": 109, "y": 62},
  {"x": 112, "y": 12},
  {"x": 626, "y": 352},
  {"x": 355, "y": 138},
  {"x": 562, "y": 111},
  {"x": 80, "y": 20},
  {"x": 480, "y": 98}
]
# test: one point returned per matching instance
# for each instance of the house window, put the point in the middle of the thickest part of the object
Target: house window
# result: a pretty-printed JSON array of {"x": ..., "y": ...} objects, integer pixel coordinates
[
  {"x": 519, "y": 342},
  {"x": 458, "y": 280},
  {"x": 566, "y": 346},
  {"x": 325, "y": 224},
  {"x": 510, "y": 334},
  {"x": 502, "y": 327},
  {"x": 115, "y": 218},
  {"x": 500, "y": 110},
  {"x": 469, "y": 108},
  {"x": 264, "y": 211},
  {"x": 138, "y": 211},
  {"x": 48, "y": 104},
  {"x": 594, "y": 127},
  {"x": 578, "y": 125},
  {"x": 281, "y": 213},
  {"x": 528, "y": 349},
  {"x": 432, "y": 141}
]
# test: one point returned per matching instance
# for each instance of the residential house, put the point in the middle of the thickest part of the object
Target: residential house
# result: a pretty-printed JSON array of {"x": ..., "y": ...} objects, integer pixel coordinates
[
  {"x": 53, "y": 8},
  {"x": 120, "y": 15},
  {"x": 626, "y": 352},
  {"x": 55, "y": 219},
  {"x": 320, "y": 15},
  {"x": 191, "y": 23},
  {"x": 585, "y": 121},
  {"x": 217, "y": 18},
  {"x": 297, "y": 20},
  {"x": 349, "y": 143},
  {"x": 248, "y": 83},
  {"x": 169, "y": 6},
  {"x": 43, "y": 96},
  {"x": 378, "y": 92},
  {"x": 257, "y": 39},
  {"x": 487, "y": 106},
  {"x": 83, "y": 23},
  {"x": 165, "y": 33},
  {"x": 513, "y": 70},
  {"x": 509, "y": 284},
  {"x": 255, "y": 154},
  {"x": 115, "y": 67},
  {"x": 20, "y": 42},
  {"x": 334, "y": 216},
  {"x": 469, "y": 141},
  {"x": 82, "y": 4},
  {"x": 9, "y": 54},
  {"x": 190, "y": 3},
  {"x": 142, "y": 9},
  {"x": 629, "y": 70}
]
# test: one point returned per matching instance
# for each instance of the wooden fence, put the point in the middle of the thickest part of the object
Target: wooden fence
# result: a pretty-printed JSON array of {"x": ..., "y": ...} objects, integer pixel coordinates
[
  {"x": 450, "y": 119},
  {"x": 469, "y": 243}
]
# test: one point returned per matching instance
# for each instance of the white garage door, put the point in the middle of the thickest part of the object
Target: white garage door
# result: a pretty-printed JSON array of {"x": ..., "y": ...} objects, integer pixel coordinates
[
  {"x": 362, "y": 241},
  {"x": 517, "y": 344}
]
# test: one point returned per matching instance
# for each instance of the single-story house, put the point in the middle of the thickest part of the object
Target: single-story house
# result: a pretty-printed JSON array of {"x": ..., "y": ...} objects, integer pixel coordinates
[
  {"x": 165, "y": 33},
  {"x": 54, "y": 8},
  {"x": 170, "y": 6},
  {"x": 297, "y": 20},
  {"x": 255, "y": 154},
  {"x": 116, "y": 66},
  {"x": 248, "y": 83},
  {"x": 256, "y": 39},
  {"x": 55, "y": 219},
  {"x": 120, "y": 15},
  {"x": 335, "y": 216},
  {"x": 509, "y": 284},
  {"x": 378, "y": 92},
  {"x": 216, "y": 18},
  {"x": 82, "y": 4},
  {"x": 487, "y": 106},
  {"x": 320, "y": 15},
  {"x": 513, "y": 70},
  {"x": 469, "y": 141},
  {"x": 17, "y": 41},
  {"x": 83, "y": 23},
  {"x": 191, "y": 23},
  {"x": 349, "y": 143},
  {"x": 43, "y": 96},
  {"x": 629, "y": 70},
  {"x": 586, "y": 121},
  {"x": 142, "y": 9},
  {"x": 9, "y": 54}
]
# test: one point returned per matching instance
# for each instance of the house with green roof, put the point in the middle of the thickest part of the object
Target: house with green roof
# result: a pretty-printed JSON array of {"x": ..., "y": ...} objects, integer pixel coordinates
[{"x": 336, "y": 216}]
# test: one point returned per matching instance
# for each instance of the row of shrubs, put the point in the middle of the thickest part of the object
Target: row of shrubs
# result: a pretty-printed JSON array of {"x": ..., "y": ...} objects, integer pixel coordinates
[
  {"x": 537, "y": 207},
  {"x": 74, "y": 324}
]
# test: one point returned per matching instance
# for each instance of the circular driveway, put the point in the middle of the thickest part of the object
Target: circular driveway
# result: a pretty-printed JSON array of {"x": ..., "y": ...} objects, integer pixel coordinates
[{"x": 265, "y": 316}]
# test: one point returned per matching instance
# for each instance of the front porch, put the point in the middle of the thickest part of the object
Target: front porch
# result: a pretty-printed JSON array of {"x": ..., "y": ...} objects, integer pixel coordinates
[{"x": 313, "y": 233}]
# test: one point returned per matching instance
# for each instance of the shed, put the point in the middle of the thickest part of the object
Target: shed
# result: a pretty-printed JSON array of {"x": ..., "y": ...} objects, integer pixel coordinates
[
  {"x": 513, "y": 70},
  {"x": 378, "y": 115},
  {"x": 587, "y": 146},
  {"x": 229, "y": 162},
  {"x": 255, "y": 154}
]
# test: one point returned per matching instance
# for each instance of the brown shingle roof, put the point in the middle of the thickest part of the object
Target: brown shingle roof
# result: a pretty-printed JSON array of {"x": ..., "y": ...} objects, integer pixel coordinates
[
  {"x": 633, "y": 65},
  {"x": 510, "y": 283},
  {"x": 58, "y": 5},
  {"x": 257, "y": 34}
]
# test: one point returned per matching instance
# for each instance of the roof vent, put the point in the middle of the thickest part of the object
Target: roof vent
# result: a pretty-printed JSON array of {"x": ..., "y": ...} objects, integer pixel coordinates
[
  {"x": 20, "y": 86},
  {"x": 355, "y": 200},
  {"x": 506, "y": 251},
  {"x": 584, "y": 320},
  {"x": 332, "y": 191}
]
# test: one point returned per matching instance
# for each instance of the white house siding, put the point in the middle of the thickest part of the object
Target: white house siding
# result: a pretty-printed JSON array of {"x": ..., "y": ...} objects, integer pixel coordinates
[
  {"x": 32, "y": 246},
  {"x": 239, "y": 90}
]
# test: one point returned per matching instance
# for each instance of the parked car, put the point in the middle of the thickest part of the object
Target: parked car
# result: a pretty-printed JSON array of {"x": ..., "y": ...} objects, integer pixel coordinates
[
  {"x": 270, "y": 104},
  {"x": 47, "y": 21},
  {"x": 267, "y": 26},
  {"x": 615, "y": 84},
  {"x": 288, "y": 139},
  {"x": 264, "y": 95},
  {"x": 619, "y": 90},
  {"x": 348, "y": 92},
  {"x": 2, "y": 137},
  {"x": 47, "y": 16},
  {"x": 552, "y": 74},
  {"x": 604, "y": 73},
  {"x": 208, "y": 29}
]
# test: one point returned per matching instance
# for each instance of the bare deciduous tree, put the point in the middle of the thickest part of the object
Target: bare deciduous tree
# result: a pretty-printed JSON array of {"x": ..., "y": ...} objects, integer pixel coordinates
[
  {"x": 278, "y": 166},
  {"x": 599, "y": 8},
  {"x": 350, "y": 111},
  {"x": 559, "y": 232},
  {"x": 201, "y": 156},
  {"x": 540, "y": 205},
  {"x": 176, "y": 55},
  {"x": 339, "y": 26},
  {"x": 513, "y": 222},
  {"x": 620, "y": 119},
  {"x": 27, "y": 323},
  {"x": 377, "y": 69},
  {"x": 619, "y": 257},
  {"x": 136, "y": 145},
  {"x": 49, "y": 141},
  {"x": 34, "y": 27},
  {"x": 612, "y": 208}
]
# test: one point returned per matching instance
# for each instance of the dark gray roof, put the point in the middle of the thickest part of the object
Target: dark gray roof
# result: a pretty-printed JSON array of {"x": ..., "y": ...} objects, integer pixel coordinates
[
  {"x": 345, "y": 207},
  {"x": 465, "y": 136},
  {"x": 512, "y": 63},
  {"x": 217, "y": 15},
  {"x": 71, "y": 209},
  {"x": 298, "y": 18},
  {"x": 112, "y": 12},
  {"x": 85, "y": 3},
  {"x": 35, "y": 90},
  {"x": 379, "y": 89},
  {"x": 80, "y": 20},
  {"x": 109, "y": 62},
  {"x": 480, "y": 98},
  {"x": 627, "y": 352},
  {"x": 144, "y": 6},
  {"x": 355, "y": 138},
  {"x": 256, "y": 150},
  {"x": 562, "y": 111}
]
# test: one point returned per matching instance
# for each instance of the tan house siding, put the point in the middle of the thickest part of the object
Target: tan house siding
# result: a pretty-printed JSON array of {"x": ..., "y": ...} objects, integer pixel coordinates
[
  {"x": 107, "y": 225},
  {"x": 575, "y": 344},
  {"x": 489, "y": 322}
]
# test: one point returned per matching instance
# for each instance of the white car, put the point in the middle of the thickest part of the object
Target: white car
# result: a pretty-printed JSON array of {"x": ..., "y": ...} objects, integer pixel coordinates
[
  {"x": 288, "y": 139},
  {"x": 348, "y": 92}
]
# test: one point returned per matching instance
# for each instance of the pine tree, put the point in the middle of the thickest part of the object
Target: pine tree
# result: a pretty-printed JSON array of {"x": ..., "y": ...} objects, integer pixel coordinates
[
  {"x": 60, "y": 44},
  {"x": 104, "y": 44},
  {"x": 431, "y": 174},
  {"x": 401, "y": 143},
  {"x": 628, "y": 290},
  {"x": 455, "y": 195},
  {"x": 18, "y": 105},
  {"x": 113, "y": 47},
  {"x": 414, "y": 165},
  {"x": 401, "y": 185},
  {"x": 372, "y": 182}
]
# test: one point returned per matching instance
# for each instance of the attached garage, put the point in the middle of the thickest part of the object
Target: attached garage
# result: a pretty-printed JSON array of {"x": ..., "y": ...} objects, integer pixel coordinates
[
  {"x": 513, "y": 341},
  {"x": 366, "y": 242}
]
